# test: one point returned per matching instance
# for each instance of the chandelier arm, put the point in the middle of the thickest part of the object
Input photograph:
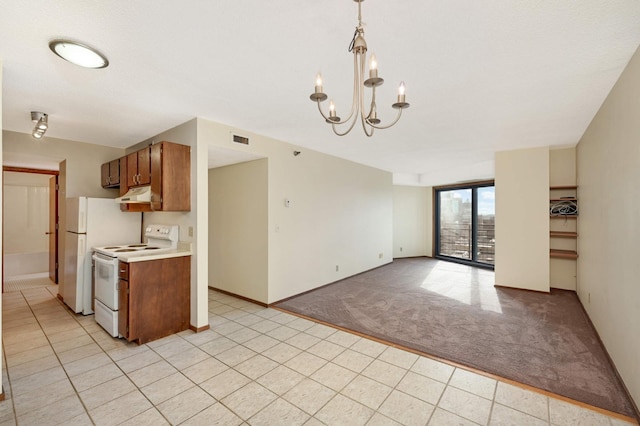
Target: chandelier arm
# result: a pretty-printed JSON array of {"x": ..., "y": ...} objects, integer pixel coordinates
[
  {"x": 386, "y": 127},
  {"x": 322, "y": 113},
  {"x": 355, "y": 106},
  {"x": 368, "y": 132},
  {"x": 353, "y": 123},
  {"x": 356, "y": 88}
]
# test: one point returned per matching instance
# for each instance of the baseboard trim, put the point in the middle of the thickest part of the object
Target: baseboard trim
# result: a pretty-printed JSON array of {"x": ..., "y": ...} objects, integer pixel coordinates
[
  {"x": 328, "y": 284},
  {"x": 606, "y": 352},
  {"x": 523, "y": 289},
  {"x": 228, "y": 293},
  {"x": 199, "y": 329}
]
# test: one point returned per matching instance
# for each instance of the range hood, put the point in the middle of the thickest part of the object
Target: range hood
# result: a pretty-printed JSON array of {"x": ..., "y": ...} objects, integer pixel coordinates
[{"x": 139, "y": 195}]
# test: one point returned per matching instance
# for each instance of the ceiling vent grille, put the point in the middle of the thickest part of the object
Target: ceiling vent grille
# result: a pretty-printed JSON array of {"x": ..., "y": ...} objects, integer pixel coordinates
[{"x": 240, "y": 139}]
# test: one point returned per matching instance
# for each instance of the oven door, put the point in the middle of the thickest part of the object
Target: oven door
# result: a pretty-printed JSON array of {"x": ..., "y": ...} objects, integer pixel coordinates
[{"x": 106, "y": 280}]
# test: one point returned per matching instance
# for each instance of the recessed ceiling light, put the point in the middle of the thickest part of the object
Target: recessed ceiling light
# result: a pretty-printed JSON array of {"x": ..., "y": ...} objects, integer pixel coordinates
[{"x": 78, "y": 53}]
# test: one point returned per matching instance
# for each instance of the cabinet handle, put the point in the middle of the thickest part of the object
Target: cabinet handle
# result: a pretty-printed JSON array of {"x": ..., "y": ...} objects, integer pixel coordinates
[{"x": 122, "y": 271}]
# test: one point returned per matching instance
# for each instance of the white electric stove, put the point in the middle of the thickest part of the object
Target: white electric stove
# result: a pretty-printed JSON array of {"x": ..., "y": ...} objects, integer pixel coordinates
[{"x": 160, "y": 239}]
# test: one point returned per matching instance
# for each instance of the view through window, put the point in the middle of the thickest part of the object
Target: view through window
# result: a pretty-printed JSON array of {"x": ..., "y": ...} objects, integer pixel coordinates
[{"x": 465, "y": 224}]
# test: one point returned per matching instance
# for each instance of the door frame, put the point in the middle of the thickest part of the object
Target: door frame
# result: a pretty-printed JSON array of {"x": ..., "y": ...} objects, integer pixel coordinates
[{"x": 56, "y": 217}]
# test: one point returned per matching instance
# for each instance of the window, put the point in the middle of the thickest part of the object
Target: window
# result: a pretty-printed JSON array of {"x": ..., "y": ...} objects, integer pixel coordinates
[{"x": 465, "y": 224}]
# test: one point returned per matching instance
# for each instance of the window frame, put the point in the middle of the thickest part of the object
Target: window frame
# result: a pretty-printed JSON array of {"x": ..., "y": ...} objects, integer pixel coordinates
[{"x": 473, "y": 186}]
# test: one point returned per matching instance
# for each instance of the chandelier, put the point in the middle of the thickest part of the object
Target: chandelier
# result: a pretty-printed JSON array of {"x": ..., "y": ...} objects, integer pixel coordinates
[{"x": 369, "y": 120}]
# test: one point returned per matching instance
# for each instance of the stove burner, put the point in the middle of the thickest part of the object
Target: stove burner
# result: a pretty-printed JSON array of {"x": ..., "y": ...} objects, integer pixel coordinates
[
  {"x": 125, "y": 249},
  {"x": 151, "y": 248},
  {"x": 111, "y": 248},
  {"x": 136, "y": 245}
]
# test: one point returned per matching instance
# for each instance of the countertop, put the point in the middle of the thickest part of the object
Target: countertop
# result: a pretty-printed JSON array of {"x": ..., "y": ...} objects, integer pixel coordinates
[{"x": 184, "y": 249}]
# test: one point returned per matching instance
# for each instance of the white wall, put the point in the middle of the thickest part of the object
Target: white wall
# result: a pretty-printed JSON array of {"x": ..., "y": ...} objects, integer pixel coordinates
[
  {"x": 238, "y": 234},
  {"x": 196, "y": 218},
  {"x": 609, "y": 224},
  {"x": 412, "y": 221},
  {"x": 340, "y": 213},
  {"x": 522, "y": 219}
]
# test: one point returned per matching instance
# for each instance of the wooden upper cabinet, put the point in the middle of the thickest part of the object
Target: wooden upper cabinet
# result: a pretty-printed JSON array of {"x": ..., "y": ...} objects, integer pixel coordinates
[
  {"x": 170, "y": 177},
  {"x": 110, "y": 174},
  {"x": 139, "y": 168},
  {"x": 166, "y": 167}
]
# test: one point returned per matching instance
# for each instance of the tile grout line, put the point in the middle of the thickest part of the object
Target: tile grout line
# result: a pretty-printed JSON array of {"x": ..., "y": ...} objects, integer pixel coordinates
[{"x": 60, "y": 303}]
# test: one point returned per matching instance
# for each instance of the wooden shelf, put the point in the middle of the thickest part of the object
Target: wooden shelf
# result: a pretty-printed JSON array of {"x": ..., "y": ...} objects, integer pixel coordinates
[
  {"x": 563, "y": 254},
  {"x": 563, "y": 234},
  {"x": 563, "y": 199},
  {"x": 553, "y": 188},
  {"x": 563, "y": 216}
]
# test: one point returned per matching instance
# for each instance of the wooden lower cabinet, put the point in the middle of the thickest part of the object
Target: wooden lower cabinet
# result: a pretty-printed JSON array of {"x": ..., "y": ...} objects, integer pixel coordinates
[{"x": 154, "y": 298}]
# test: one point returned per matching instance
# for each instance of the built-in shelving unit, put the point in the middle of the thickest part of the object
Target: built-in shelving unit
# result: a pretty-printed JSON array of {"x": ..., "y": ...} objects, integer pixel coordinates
[{"x": 564, "y": 194}]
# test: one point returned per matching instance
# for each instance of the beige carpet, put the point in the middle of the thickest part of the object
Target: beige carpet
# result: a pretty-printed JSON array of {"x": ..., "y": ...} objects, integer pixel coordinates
[{"x": 454, "y": 312}]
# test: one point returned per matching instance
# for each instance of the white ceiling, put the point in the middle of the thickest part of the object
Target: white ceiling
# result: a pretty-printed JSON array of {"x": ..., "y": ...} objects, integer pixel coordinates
[{"x": 481, "y": 76}]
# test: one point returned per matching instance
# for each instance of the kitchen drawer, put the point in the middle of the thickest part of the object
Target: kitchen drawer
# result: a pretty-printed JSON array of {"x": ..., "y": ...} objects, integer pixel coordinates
[
  {"x": 123, "y": 271},
  {"x": 107, "y": 318}
]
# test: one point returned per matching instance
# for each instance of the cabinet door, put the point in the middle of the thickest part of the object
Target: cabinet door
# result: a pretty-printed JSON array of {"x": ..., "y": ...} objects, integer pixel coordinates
[
  {"x": 114, "y": 172},
  {"x": 156, "y": 178},
  {"x": 123, "y": 312},
  {"x": 132, "y": 169},
  {"x": 170, "y": 177},
  {"x": 104, "y": 175},
  {"x": 144, "y": 166}
]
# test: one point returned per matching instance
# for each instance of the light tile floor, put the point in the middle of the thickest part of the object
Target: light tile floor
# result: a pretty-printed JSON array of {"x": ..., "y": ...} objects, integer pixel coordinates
[{"x": 255, "y": 366}]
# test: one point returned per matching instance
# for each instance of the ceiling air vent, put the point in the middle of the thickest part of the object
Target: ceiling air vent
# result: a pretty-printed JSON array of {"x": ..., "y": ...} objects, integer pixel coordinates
[{"x": 240, "y": 139}]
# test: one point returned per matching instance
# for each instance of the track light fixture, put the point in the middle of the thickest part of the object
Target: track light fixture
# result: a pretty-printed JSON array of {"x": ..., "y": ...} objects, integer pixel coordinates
[{"x": 42, "y": 124}]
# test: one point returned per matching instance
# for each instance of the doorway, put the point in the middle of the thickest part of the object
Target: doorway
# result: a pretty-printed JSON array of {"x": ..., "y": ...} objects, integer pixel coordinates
[
  {"x": 30, "y": 223},
  {"x": 465, "y": 224}
]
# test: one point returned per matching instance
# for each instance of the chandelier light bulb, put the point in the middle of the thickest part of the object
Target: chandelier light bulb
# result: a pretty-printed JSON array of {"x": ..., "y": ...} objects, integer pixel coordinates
[
  {"x": 319, "y": 80},
  {"x": 373, "y": 67},
  {"x": 401, "y": 88},
  {"x": 332, "y": 107}
]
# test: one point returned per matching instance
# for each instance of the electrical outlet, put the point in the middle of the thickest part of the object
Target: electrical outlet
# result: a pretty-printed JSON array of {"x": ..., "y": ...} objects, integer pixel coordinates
[
  {"x": 191, "y": 231},
  {"x": 380, "y": 255},
  {"x": 337, "y": 268},
  {"x": 400, "y": 248},
  {"x": 589, "y": 297}
]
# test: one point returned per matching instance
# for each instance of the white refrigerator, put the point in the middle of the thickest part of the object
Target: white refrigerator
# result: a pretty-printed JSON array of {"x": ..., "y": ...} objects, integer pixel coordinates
[{"x": 92, "y": 222}]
